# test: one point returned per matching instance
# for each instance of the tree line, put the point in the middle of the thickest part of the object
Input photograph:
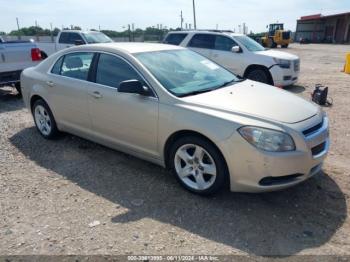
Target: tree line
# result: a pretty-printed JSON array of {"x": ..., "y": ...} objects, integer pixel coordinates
[{"x": 39, "y": 31}]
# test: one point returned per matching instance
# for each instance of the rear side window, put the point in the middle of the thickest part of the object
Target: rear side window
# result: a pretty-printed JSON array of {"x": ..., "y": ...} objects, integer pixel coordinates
[
  {"x": 224, "y": 43},
  {"x": 112, "y": 70},
  {"x": 73, "y": 37},
  {"x": 76, "y": 65},
  {"x": 174, "y": 39},
  {"x": 63, "y": 38},
  {"x": 56, "y": 69},
  {"x": 206, "y": 41},
  {"x": 69, "y": 38}
]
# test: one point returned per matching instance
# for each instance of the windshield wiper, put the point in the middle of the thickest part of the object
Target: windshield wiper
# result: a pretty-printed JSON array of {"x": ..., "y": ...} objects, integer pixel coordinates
[
  {"x": 211, "y": 89},
  {"x": 230, "y": 82},
  {"x": 197, "y": 92}
]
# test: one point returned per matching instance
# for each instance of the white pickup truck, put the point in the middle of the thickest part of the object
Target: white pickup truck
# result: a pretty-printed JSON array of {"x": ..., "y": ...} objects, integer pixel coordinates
[
  {"x": 69, "y": 38},
  {"x": 15, "y": 56}
]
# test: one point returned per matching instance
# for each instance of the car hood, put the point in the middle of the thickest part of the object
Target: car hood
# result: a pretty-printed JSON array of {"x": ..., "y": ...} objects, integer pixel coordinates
[
  {"x": 258, "y": 100},
  {"x": 277, "y": 54}
]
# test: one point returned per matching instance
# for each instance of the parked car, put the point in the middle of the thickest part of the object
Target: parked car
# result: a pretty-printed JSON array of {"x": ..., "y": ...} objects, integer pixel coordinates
[
  {"x": 241, "y": 55},
  {"x": 14, "y": 57},
  {"x": 178, "y": 109},
  {"x": 69, "y": 38}
]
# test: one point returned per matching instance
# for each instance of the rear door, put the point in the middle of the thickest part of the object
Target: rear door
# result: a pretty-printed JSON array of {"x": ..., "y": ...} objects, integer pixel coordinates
[
  {"x": 68, "y": 84},
  {"x": 203, "y": 44}
]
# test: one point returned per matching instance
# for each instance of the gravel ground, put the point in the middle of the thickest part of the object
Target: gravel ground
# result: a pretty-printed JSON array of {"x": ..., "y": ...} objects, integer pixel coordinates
[{"x": 71, "y": 196}]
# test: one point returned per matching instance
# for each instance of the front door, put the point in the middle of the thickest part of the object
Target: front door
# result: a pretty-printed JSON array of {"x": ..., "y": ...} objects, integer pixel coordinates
[
  {"x": 223, "y": 55},
  {"x": 129, "y": 120}
]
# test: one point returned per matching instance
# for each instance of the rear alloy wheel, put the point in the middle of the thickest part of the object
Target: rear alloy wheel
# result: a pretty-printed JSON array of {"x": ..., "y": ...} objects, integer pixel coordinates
[
  {"x": 44, "y": 120},
  {"x": 198, "y": 165},
  {"x": 259, "y": 75}
]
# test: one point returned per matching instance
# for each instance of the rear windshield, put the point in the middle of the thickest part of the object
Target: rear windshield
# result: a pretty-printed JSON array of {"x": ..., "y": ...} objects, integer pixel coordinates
[
  {"x": 96, "y": 37},
  {"x": 174, "y": 39}
]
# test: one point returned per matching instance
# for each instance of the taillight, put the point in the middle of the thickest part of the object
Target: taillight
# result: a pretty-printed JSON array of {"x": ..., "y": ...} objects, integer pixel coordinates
[{"x": 36, "y": 54}]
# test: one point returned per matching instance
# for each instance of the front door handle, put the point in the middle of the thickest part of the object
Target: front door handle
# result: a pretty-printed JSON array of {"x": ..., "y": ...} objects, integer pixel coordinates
[
  {"x": 96, "y": 94},
  {"x": 50, "y": 83}
]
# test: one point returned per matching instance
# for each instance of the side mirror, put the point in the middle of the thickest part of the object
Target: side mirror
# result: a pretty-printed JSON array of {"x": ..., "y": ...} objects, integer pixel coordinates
[
  {"x": 134, "y": 87},
  {"x": 79, "y": 42},
  {"x": 236, "y": 49}
]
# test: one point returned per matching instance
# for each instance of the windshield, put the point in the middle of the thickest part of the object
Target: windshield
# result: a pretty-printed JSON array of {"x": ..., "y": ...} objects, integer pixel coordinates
[
  {"x": 249, "y": 43},
  {"x": 96, "y": 37},
  {"x": 184, "y": 72}
]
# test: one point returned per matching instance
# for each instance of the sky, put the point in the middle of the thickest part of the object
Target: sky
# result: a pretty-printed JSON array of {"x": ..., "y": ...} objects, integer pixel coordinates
[{"x": 117, "y": 14}]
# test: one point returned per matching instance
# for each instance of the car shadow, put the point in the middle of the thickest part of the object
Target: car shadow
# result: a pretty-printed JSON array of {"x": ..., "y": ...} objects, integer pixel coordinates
[
  {"x": 278, "y": 223},
  {"x": 10, "y": 100},
  {"x": 296, "y": 89}
]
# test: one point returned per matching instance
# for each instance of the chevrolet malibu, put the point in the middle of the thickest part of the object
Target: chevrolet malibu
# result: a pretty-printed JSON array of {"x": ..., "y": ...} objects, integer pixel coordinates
[{"x": 171, "y": 106}]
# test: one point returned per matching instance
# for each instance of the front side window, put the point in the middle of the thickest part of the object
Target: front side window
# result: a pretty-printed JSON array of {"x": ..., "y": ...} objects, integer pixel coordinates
[
  {"x": 249, "y": 43},
  {"x": 184, "y": 72},
  {"x": 111, "y": 71},
  {"x": 206, "y": 41},
  {"x": 174, "y": 39},
  {"x": 76, "y": 65},
  {"x": 224, "y": 43}
]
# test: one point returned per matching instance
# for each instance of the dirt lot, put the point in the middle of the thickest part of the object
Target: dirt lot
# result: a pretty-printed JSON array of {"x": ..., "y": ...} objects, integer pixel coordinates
[{"x": 72, "y": 196}]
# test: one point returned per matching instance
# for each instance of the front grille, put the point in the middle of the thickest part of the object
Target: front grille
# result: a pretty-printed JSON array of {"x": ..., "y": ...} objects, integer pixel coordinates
[
  {"x": 296, "y": 65},
  {"x": 313, "y": 129},
  {"x": 318, "y": 149},
  {"x": 278, "y": 180}
]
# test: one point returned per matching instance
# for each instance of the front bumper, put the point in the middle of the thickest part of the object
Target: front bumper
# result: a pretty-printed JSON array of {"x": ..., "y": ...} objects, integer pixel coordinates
[
  {"x": 249, "y": 167},
  {"x": 283, "y": 76}
]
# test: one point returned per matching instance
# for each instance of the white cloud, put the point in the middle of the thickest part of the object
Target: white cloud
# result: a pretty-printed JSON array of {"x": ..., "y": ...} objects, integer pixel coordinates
[{"x": 114, "y": 14}]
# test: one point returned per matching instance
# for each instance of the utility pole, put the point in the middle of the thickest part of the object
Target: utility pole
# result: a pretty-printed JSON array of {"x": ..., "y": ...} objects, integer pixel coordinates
[
  {"x": 182, "y": 20},
  {"x": 194, "y": 16},
  {"x": 19, "y": 37},
  {"x": 51, "y": 33}
]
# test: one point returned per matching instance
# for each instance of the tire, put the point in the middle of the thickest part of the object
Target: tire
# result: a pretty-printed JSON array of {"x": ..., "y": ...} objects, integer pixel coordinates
[
  {"x": 44, "y": 120},
  {"x": 190, "y": 158},
  {"x": 259, "y": 75},
  {"x": 284, "y": 46},
  {"x": 271, "y": 43},
  {"x": 18, "y": 88}
]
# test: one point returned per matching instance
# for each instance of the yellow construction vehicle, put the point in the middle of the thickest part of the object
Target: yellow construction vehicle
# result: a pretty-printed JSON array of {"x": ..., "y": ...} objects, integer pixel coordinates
[{"x": 276, "y": 36}]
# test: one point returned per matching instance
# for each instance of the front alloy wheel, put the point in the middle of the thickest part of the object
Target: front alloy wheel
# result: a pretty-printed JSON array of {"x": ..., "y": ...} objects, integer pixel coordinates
[
  {"x": 198, "y": 165},
  {"x": 195, "y": 167}
]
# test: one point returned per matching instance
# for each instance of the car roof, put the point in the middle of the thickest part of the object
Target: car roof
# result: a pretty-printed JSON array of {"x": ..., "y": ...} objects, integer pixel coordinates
[
  {"x": 79, "y": 31},
  {"x": 215, "y": 32},
  {"x": 128, "y": 47}
]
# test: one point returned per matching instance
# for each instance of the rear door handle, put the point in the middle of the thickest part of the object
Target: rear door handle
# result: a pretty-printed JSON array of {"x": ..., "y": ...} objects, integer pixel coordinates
[
  {"x": 96, "y": 94},
  {"x": 50, "y": 83}
]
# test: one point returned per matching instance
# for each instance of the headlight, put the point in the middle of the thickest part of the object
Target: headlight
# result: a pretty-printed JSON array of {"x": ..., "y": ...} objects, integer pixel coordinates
[
  {"x": 267, "y": 139},
  {"x": 282, "y": 63}
]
